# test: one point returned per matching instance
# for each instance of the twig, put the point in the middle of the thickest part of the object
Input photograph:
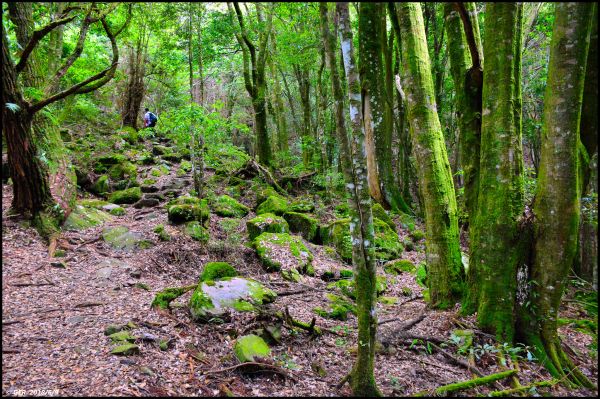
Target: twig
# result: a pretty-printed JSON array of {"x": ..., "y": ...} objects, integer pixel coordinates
[
  {"x": 265, "y": 366},
  {"x": 289, "y": 293},
  {"x": 9, "y": 322},
  {"x": 406, "y": 326},
  {"x": 88, "y": 304},
  {"x": 457, "y": 360}
]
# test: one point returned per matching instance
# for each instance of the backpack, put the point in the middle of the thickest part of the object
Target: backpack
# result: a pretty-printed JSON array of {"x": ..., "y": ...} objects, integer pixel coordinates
[{"x": 153, "y": 119}]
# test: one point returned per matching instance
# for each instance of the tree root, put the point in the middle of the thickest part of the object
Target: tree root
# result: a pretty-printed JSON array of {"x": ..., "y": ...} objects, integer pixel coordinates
[
  {"x": 508, "y": 392},
  {"x": 458, "y": 386}
]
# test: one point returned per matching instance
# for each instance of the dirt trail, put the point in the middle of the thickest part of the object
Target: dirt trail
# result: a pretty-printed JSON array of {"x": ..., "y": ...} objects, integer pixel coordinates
[{"x": 54, "y": 320}]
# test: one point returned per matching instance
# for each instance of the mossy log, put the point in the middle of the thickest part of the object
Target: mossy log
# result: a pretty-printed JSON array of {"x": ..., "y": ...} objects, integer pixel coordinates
[
  {"x": 459, "y": 386},
  {"x": 512, "y": 391}
]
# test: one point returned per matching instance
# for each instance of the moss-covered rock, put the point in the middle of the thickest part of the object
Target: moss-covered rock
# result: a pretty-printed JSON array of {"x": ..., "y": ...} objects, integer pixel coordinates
[
  {"x": 339, "y": 308},
  {"x": 381, "y": 214},
  {"x": 110, "y": 159},
  {"x": 127, "y": 196},
  {"x": 102, "y": 185},
  {"x": 159, "y": 149},
  {"x": 347, "y": 286},
  {"x": 226, "y": 206},
  {"x": 83, "y": 217},
  {"x": 266, "y": 223},
  {"x": 162, "y": 233},
  {"x": 186, "y": 166},
  {"x": 180, "y": 211},
  {"x": 217, "y": 298},
  {"x": 122, "y": 336},
  {"x": 263, "y": 193},
  {"x": 302, "y": 205},
  {"x": 396, "y": 267},
  {"x": 171, "y": 157},
  {"x": 146, "y": 159},
  {"x": 119, "y": 237},
  {"x": 301, "y": 223},
  {"x": 282, "y": 252},
  {"x": 93, "y": 203},
  {"x": 417, "y": 235},
  {"x": 250, "y": 348},
  {"x": 216, "y": 271},
  {"x": 274, "y": 204},
  {"x": 337, "y": 233},
  {"x": 123, "y": 171},
  {"x": 125, "y": 350},
  {"x": 198, "y": 232},
  {"x": 117, "y": 211}
]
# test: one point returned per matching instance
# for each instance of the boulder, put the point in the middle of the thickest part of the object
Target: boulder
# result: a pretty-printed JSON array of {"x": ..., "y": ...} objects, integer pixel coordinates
[
  {"x": 83, "y": 217},
  {"x": 127, "y": 196},
  {"x": 119, "y": 237},
  {"x": 218, "y": 298},
  {"x": 185, "y": 209},
  {"x": 381, "y": 214},
  {"x": 301, "y": 223},
  {"x": 283, "y": 252},
  {"x": 250, "y": 348},
  {"x": 273, "y": 204},
  {"x": 226, "y": 206},
  {"x": 266, "y": 222},
  {"x": 216, "y": 271}
]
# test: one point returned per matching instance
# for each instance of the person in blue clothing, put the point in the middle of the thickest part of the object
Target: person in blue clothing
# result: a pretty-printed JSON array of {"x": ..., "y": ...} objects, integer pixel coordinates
[{"x": 149, "y": 118}]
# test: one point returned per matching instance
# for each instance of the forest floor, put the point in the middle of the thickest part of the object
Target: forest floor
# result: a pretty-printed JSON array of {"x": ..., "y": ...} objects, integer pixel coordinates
[{"x": 53, "y": 321}]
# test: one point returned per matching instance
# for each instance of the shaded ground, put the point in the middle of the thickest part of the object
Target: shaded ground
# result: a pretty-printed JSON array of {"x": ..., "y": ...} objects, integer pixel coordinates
[{"x": 54, "y": 320}]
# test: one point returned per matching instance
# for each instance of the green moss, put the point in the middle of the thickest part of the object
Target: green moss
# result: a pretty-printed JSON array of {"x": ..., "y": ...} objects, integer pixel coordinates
[
  {"x": 60, "y": 253},
  {"x": 250, "y": 348},
  {"x": 340, "y": 308},
  {"x": 92, "y": 203},
  {"x": 406, "y": 291},
  {"x": 125, "y": 350},
  {"x": 82, "y": 218},
  {"x": 274, "y": 204},
  {"x": 217, "y": 270},
  {"x": 264, "y": 193},
  {"x": 121, "y": 336},
  {"x": 117, "y": 211},
  {"x": 123, "y": 171},
  {"x": 149, "y": 182},
  {"x": 127, "y": 196},
  {"x": 162, "y": 233},
  {"x": 398, "y": 266},
  {"x": 166, "y": 296},
  {"x": 110, "y": 159},
  {"x": 183, "y": 212},
  {"x": 417, "y": 235},
  {"x": 269, "y": 245},
  {"x": 381, "y": 214},
  {"x": 346, "y": 273},
  {"x": 226, "y": 206},
  {"x": 302, "y": 206},
  {"x": 421, "y": 275},
  {"x": 198, "y": 232},
  {"x": 388, "y": 300},
  {"x": 101, "y": 186},
  {"x": 156, "y": 172},
  {"x": 406, "y": 221},
  {"x": 266, "y": 223},
  {"x": 186, "y": 166},
  {"x": 303, "y": 224}
]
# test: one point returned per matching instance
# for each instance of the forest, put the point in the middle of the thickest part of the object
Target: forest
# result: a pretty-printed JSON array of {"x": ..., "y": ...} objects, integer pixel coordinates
[{"x": 299, "y": 199}]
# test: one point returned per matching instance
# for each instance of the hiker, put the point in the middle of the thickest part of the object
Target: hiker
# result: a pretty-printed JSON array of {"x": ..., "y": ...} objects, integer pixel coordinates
[{"x": 149, "y": 118}]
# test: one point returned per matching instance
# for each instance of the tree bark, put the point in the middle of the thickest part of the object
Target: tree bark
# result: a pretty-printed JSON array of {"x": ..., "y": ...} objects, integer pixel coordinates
[
  {"x": 557, "y": 202},
  {"x": 444, "y": 267},
  {"x": 362, "y": 379},
  {"x": 468, "y": 80},
  {"x": 494, "y": 230}
]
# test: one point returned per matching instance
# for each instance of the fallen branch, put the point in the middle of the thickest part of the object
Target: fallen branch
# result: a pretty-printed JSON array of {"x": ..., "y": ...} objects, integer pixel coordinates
[
  {"x": 409, "y": 324},
  {"x": 458, "y": 361},
  {"x": 509, "y": 392},
  {"x": 9, "y": 322},
  {"x": 88, "y": 304},
  {"x": 289, "y": 293},
  {"x": 287, "y": 318},
  {"x": 459, "y": 386},
  {"x": 27, "y": 284},
  {"x": 253, "y": 166},
  {"x": 264, "y": 367}
]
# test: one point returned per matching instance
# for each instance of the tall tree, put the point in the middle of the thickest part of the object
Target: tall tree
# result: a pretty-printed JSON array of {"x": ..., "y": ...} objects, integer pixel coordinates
[
  {"x": 494, "y": 230},
  {"x": 135, "y": 91},
  {"x": 444, "y": 267},
  {"x": 466, "y": 67},
  {"x": 361, "y": 377},
  {"x": 557, "y": 201},
  {"x": 376, "y": 110},
  {"x": 30, "y": 181},
  {"x": 254, "y": 73}
]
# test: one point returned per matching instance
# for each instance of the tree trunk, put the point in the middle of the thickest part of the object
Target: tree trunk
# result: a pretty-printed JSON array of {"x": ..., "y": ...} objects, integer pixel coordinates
[
  {"x": 282, "y": 133},
  {"x": 494, "y": 230},
  {"x": 556, "y": 206},
  {"x": 444, "y": 267},
  {"x": 362, "y": 379},
  {"x": 468, "y": 81},
  {"x": 30, "y": 179},
  {"x": 135, "y": 82},
  {"x": 302, "y": 76}
]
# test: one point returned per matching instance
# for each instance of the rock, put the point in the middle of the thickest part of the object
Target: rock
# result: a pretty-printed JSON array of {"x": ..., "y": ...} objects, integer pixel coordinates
[
  {"x": 110, "y": 159},
  {"x": 156, "y": 196},
  {"x": 159, "y": 149},
  {"x": 127, "y": 196},
  {"x": 250, "y": 348},
  {"x": 105, "y": 272},
  {"x": 149, "y": 189},
  {"x": 265, "y": 193},
  {"x": 185, "y": 209},
  {"x": 61, "y": 265},
  {"x": 303, "y": 224},
  {"x": 82, "y": 218},
  {"x": 120, "y": 237},
  {"x": 273, "y": 204},
  {"x": 217, "y": 298},
  {"x": 113, "y": 328},
  {"x": 398, "y": 266},
  {"x": 226, "y": 206},
  {"x": 266, "y": 223},
  {"x": 147, "y": 371},
  {"x": 381, "y": 214},
  {"x": 387, "y": 243},
  {"x": 282, "y": 252},
  {"x": 123, "y": 171},
  {"x": 146, "y": 203},
  {"x": 114, "y": 209},
  {"x": 417, "y": 235},
  {"x": 302, "y": 206},
  {"x": 175, "y": 184},
  {"x": 172, "y": 157},
  {"x": 109, "y": 207},
  {"x": 136, "y": 274},
  {"x": 125, "y": 350},
  {"x": 144, "y": 336},
  {"x": 121, "y": 336},
  {"x": 75, "y": 319},
  {"x": 83, "y": 177},
  {"x": 162, "y": 233}
]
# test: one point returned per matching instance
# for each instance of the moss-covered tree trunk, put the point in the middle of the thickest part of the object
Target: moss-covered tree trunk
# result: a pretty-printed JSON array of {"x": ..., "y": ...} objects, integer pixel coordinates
[
  {"x": 494, "y": 230},
  {"x": 282, "y": 133},
  {"x": 353, "y": 155},
  {"x": 444, "y": 267},
  {"x": 557, "y": 201},
  {"x": 135, "y": 80},
  {"x": 468, "y": 80}
]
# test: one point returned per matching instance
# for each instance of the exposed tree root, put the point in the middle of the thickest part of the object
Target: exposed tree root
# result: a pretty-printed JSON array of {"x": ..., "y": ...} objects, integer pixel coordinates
[{"x": 459, "y": 386}]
